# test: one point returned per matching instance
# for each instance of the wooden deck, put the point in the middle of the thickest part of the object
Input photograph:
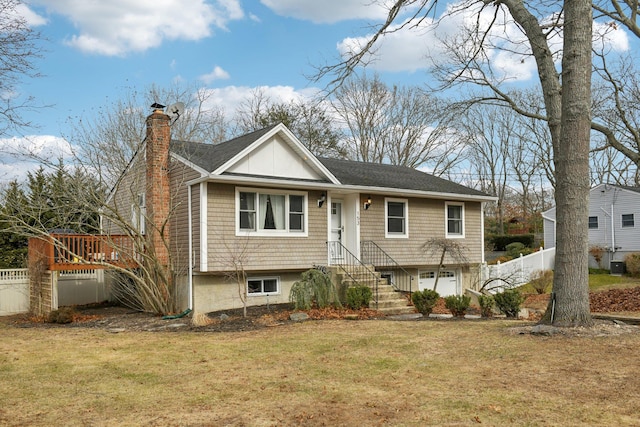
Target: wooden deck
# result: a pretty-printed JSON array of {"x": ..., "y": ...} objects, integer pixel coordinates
[{"x": 82, "y": 251}]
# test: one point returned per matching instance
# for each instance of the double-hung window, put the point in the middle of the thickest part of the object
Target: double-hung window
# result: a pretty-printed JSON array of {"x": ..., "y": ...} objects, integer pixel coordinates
[
  {"x": 397, "y": 218},
  {"x": 454, "y": 220},
  {"x": 593, "y": 222},
  {"x": 270, "y": 212},
  {"x": 628, "y": 220}
]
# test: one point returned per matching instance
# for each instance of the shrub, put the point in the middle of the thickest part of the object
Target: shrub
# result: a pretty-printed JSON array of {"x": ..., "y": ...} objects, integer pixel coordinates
[
  {"x": 486, "y": 305},
  {"x": 632, "y": 262},
  {"x": 314, "y": 288},
  {"x": 457, "y": 304},
  {"x": 501, "y": 241},
  {"x": 541, "y": 280},
  {"x": 509, "y": 301},
  {"x": 597, "y": 252},
  {"x": 62, "y": 315},
  {"x": 425, "y": 300},
  {"x": 358, "y": 297}
]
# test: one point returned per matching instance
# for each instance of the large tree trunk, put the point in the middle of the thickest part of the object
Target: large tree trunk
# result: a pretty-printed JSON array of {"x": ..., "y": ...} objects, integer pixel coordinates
[
  {"x": 570, "y": 305},
  {"x": 569, "y": 118}
]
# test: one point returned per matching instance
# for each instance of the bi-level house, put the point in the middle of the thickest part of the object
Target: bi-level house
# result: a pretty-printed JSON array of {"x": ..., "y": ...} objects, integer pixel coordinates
[{"x": 264, "y": 205}]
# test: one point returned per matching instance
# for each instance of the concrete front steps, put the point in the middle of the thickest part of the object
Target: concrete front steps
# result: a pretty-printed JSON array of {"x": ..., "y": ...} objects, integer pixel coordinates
[{"x": 390, "y": 301}]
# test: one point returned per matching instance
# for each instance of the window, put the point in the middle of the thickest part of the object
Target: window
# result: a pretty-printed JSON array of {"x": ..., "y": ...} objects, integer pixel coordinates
[
  {"x": 271, "y": 212},
  {"x": 139, "y": 213},
  {"x": 627, "y": 220},
  {"x": 263, "y": 285},
  {"x": 455, "y": 219},
  {"x": 593, "y": 222},
  {"x": 396, "y": 218}
]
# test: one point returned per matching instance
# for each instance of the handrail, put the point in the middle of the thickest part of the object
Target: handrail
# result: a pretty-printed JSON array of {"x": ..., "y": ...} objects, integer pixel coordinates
[
  {"x": 341, "y": 256},
  {"x": 372, "y": 254}
]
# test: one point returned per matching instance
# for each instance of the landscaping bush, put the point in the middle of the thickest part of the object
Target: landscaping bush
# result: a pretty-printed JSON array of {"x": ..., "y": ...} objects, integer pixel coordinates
[
  {"x": 500, "y": 242},
  {"x": 457, "y": 304},
  {"x": 425, "y": 300},
  {"x": 358, "y": 297},
  {"x": 486, "y": 305},
  {"x": 632, "y": 262},
  {"x": 62, "y": 315},
  {"x": 509, "y": 301},
  {"x": 314, "y": 288},
  {"x": 541, "y": 280}
]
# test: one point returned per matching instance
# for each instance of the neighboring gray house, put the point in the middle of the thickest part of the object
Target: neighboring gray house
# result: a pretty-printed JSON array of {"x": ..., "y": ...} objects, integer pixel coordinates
[{"x": 614, "y": 223}]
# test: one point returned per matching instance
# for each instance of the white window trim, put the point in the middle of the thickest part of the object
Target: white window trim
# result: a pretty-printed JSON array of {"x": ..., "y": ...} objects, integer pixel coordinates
[
  {"x": 446, "y": 220},
  {"x": 263, "y": 278},
  {"x": 404, "y": 235},
  {"x": 272, "y": 233}
]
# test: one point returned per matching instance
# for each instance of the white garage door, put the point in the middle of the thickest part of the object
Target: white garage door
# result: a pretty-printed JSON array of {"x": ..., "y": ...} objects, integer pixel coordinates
[{"x": 448, "y": 283}]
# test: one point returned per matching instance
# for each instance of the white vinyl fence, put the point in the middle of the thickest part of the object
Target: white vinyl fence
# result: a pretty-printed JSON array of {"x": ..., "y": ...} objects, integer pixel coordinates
[
  {"x": 517, "y": 272},
  {"x": 72, "y": 288},
  {"x": 14, "y": 291}
]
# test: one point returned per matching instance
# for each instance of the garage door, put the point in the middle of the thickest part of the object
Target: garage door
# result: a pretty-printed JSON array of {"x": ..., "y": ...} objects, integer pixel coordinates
[{"x": 447, "y": 283}]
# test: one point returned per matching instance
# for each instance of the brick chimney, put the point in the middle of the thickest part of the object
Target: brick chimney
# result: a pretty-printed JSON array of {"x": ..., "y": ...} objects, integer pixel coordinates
[{"x": 158, "y": 197}]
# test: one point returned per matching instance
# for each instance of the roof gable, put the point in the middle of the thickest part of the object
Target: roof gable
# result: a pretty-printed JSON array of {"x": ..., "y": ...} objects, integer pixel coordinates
[{"x": 270, "y": 152}]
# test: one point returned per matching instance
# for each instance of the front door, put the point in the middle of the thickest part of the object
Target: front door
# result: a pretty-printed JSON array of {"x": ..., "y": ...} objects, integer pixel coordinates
[{"x": 337, "y": 230}]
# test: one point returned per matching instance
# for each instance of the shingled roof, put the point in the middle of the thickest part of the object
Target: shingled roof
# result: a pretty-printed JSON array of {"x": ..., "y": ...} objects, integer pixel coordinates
[
  {"x": 210, "y": 157},
  {"x": 365, "y": 174}
]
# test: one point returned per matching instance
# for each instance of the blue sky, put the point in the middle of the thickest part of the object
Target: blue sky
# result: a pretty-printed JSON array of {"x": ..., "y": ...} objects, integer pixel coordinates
[{"x": 98, "y": 50}]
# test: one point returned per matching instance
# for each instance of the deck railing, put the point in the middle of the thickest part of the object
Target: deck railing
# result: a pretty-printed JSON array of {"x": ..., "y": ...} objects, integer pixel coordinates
[{"x": 82, "y": 251}]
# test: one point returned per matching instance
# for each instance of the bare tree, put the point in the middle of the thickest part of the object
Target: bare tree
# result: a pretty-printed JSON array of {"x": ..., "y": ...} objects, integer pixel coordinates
[
  {"x": 19, "y": 49},
  {"x": 309, "y": 120},
  {"x": 446, "y": 249},
  {"x": 396, "y": 125},
  {"x": 107, "y": 142}
]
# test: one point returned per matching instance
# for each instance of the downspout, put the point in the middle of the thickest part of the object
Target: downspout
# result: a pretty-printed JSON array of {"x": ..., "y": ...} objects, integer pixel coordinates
[
  {"x": 190, "y": 224},
  {"x": 613, "y": 233}
]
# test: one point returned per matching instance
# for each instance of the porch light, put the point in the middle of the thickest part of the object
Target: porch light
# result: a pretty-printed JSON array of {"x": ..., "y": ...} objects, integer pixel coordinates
[
  {"x": 322, "y": 199},
  {"x": 367, "y": 203}
]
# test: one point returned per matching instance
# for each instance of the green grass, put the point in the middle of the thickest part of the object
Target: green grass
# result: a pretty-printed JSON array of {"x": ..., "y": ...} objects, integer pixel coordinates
[{"x": 599, "y": 282}]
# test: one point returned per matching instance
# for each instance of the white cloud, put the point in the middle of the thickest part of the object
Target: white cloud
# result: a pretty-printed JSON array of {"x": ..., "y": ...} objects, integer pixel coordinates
[
  {"x": 328, "y": 11},
  {"x": 117, "y": 27},
  {"x": 230, "y": 98},
  {"x": 32, "y": 18},
  {"x": 217, "y": 74},
  {"x": 21, "y": 155}
]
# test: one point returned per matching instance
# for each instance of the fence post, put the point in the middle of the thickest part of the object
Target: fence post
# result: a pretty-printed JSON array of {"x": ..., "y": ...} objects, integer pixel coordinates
[{"x": 521, "y": 268}]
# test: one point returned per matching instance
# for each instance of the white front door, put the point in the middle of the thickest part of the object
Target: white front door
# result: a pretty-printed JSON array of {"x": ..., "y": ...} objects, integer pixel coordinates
[
  {"x": 447, "y": 283},
  {"x": 337, "y": 230}
]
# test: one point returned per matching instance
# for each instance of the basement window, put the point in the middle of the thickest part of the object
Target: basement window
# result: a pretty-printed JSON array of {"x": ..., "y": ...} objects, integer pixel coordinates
[{"x": 257, "y": 286}]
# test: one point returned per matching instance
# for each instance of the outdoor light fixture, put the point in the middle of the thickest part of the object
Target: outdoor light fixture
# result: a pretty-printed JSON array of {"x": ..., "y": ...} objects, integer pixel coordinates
[
  {"x": 321, "y": 200},
  {"x": 367, "y": 203}
]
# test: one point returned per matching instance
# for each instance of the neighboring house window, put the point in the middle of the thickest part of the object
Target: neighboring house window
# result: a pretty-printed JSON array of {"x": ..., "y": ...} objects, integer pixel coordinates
[
  {"x": 593, "y": 222},
  {"x": 396, "y": 214},
  {"x": 271, "y": 212},
  {"x": 627, "y": 220},
  {"x": 455, "y": 219},
  {"x": 263, "y": 285},
  {"x": 139, "y": 213}
]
